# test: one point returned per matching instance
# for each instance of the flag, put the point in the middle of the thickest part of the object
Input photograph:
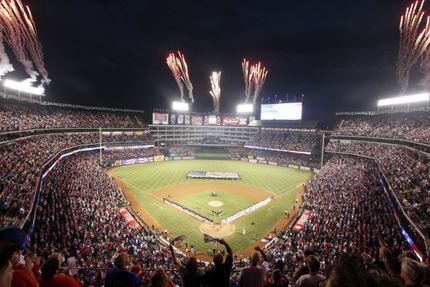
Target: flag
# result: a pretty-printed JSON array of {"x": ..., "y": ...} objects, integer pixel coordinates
[
  {"x": 178, "y": 238},
  {"x": 207, "y": 238}
]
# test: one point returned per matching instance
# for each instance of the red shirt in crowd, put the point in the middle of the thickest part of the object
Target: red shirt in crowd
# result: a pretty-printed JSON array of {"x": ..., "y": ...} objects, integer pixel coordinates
[{"x": 61, "y": 280}]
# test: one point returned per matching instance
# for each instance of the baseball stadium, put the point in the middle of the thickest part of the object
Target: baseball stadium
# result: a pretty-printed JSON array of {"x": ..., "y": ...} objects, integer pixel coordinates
[{"x": 213, "y": 176}]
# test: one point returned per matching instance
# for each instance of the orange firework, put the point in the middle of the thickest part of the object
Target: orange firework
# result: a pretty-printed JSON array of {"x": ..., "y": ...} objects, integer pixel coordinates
[{"x": 414, "y": 41}]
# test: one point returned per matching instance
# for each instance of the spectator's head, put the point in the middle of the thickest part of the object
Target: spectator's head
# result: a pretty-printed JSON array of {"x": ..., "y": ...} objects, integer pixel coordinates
[
  {"x": 313, "y": 264},
  {"x": 218, "y": 259},
  {"x": 6, "y": 271},
  {"x": 50, "y": 268},
  {"x": 255, "y": 258},
  {"x": 308, "y": 252},
  {"x": 191, "y": 265},
  {"x": 392, "y": 265},
  {"x": 277, "y": 276},
  {"x": 347, "y": 272},
  {"x": 412, "y": 271},
  {"x": 384, "y": 252},
  {"x": 122, "y": 261},
  {"x": 13, "y": 241},
  {"x": 159, "y": 279}
]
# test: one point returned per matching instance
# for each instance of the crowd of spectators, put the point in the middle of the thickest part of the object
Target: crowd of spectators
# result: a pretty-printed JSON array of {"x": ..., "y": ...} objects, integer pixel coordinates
[
  {"x": 22, "y": 161},
  {"x": 182, "y": 151},
  {"x": 79, "y": 216},
  {"x": 281, "y": 158},
  {"x": 286, "y": 140},
  {"x": 352, "y": 231},
  {"x": 410, "y": 126},
  {"x": 349, "y": 213},
  {"x": 129, "y": 153},
  {"x": 407, "y": 171},
  {"x": 16, "y": 116}
]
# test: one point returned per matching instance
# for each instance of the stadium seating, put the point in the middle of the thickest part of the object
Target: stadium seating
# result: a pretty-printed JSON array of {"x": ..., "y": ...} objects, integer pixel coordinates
[
  {"x": 17, "y": 116},
  {"x": 78, "y": 212},
  {"x": 286, "y": 140},
  {"x": 409, "y": 126}
]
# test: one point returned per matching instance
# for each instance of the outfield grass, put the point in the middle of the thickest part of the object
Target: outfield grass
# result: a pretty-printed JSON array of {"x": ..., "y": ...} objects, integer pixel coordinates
[{"x": 145, "y": 179}]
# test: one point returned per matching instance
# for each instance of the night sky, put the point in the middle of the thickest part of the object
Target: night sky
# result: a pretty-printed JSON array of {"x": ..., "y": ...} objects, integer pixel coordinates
[{"x": 340, "y": 54}]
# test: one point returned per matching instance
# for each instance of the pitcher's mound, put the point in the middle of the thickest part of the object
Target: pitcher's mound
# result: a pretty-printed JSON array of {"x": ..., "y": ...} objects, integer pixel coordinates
[
  {"x": 215, "y": 203},
  {"x": 217, "y": 231}
]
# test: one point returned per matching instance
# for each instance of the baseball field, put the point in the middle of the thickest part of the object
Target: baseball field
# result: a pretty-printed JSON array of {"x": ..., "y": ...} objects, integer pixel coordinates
[{"x": 145, "y": 186}]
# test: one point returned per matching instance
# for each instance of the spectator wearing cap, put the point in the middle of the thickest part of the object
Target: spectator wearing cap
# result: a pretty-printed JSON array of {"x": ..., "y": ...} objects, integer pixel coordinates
[
  {"x": 6, "y": 270},
  {"x": 313, "y": 279},
  {"x": 253, "y": 276},
  {"x": 15, "y": 239},
  {"x": 53, "y": 277},
  {"x": 219, "y": 275},
  {"x": 119, "y": 276}
]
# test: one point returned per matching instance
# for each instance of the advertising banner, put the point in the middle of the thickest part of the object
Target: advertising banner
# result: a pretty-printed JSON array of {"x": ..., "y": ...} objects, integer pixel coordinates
[
  {"x": 160, "y": 119},
  {"x": 196, "y": 120},
  {"x": 180, "y": 119},
  {"x": 187, "y": 120},
  {"x": 130, "y": 219},
  {"x": 253, "y": 160},
  {"x": 301, "y": 222},
  {"x": 172, "y": 119},
  {"x": 273, "y": 163},
  {"x": 158, "y": 158}
]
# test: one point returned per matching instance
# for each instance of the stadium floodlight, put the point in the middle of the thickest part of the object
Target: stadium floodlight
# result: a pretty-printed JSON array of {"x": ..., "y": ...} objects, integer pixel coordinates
[
  {"x": 424, "y": 97},
  {"x": 24, "y": 86},
  {"x": 180, "y": 106},
  {"x": 245, "y": 108}
]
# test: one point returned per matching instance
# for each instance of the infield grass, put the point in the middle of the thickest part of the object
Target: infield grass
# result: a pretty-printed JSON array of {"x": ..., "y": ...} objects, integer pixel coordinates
[{"x": 144, "y": 180}]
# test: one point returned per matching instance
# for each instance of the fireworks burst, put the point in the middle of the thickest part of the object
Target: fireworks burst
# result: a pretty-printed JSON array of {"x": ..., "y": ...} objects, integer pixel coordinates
[
  {"x": 247, "y": 78},
  {"x": 425, "y": 60},
  {"x": 20, "y": 34},
  {"x": 414, "y": 41},
  {"x": 179, "y": 68},
  {"x": 183, "y": 67},
  {"x": 259, "y": 78},
  {"x": 173, "y": 66},
  {"x": 215, "y": 91}
]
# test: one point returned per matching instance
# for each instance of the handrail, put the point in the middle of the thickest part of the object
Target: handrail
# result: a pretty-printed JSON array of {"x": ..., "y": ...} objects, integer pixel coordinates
[
  {"x": 392, "y": 193},
  {"x": 46, "y": 103},
  {"x": 373, "y": 113}
]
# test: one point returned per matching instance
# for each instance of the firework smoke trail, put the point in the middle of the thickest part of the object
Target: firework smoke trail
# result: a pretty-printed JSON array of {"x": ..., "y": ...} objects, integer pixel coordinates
[
  {"x": 425, "y": 59},
  {"x": 215, "y": 91},
  {"x": 172, "y": 63},
  {"x": 5, "y": 66},
  {"x": 13, "y": 37},
  {"x": 259, "y": 77},
  {"x": 183, "y": 68},
  {"x": 29, "y": 34},
  {"x": 247, "y": 78},
  {"x": 413, "y": 42}
]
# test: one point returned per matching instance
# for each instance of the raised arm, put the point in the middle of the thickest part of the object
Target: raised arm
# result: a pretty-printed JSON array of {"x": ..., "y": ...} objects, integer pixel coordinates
[
  {"x": 227, "y": 247},
  {"x": 175, "y": 260}
]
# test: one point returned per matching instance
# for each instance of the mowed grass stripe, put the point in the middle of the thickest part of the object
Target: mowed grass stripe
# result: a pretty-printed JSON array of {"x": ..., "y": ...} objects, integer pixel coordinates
[{"x": 145, "y": 179}]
